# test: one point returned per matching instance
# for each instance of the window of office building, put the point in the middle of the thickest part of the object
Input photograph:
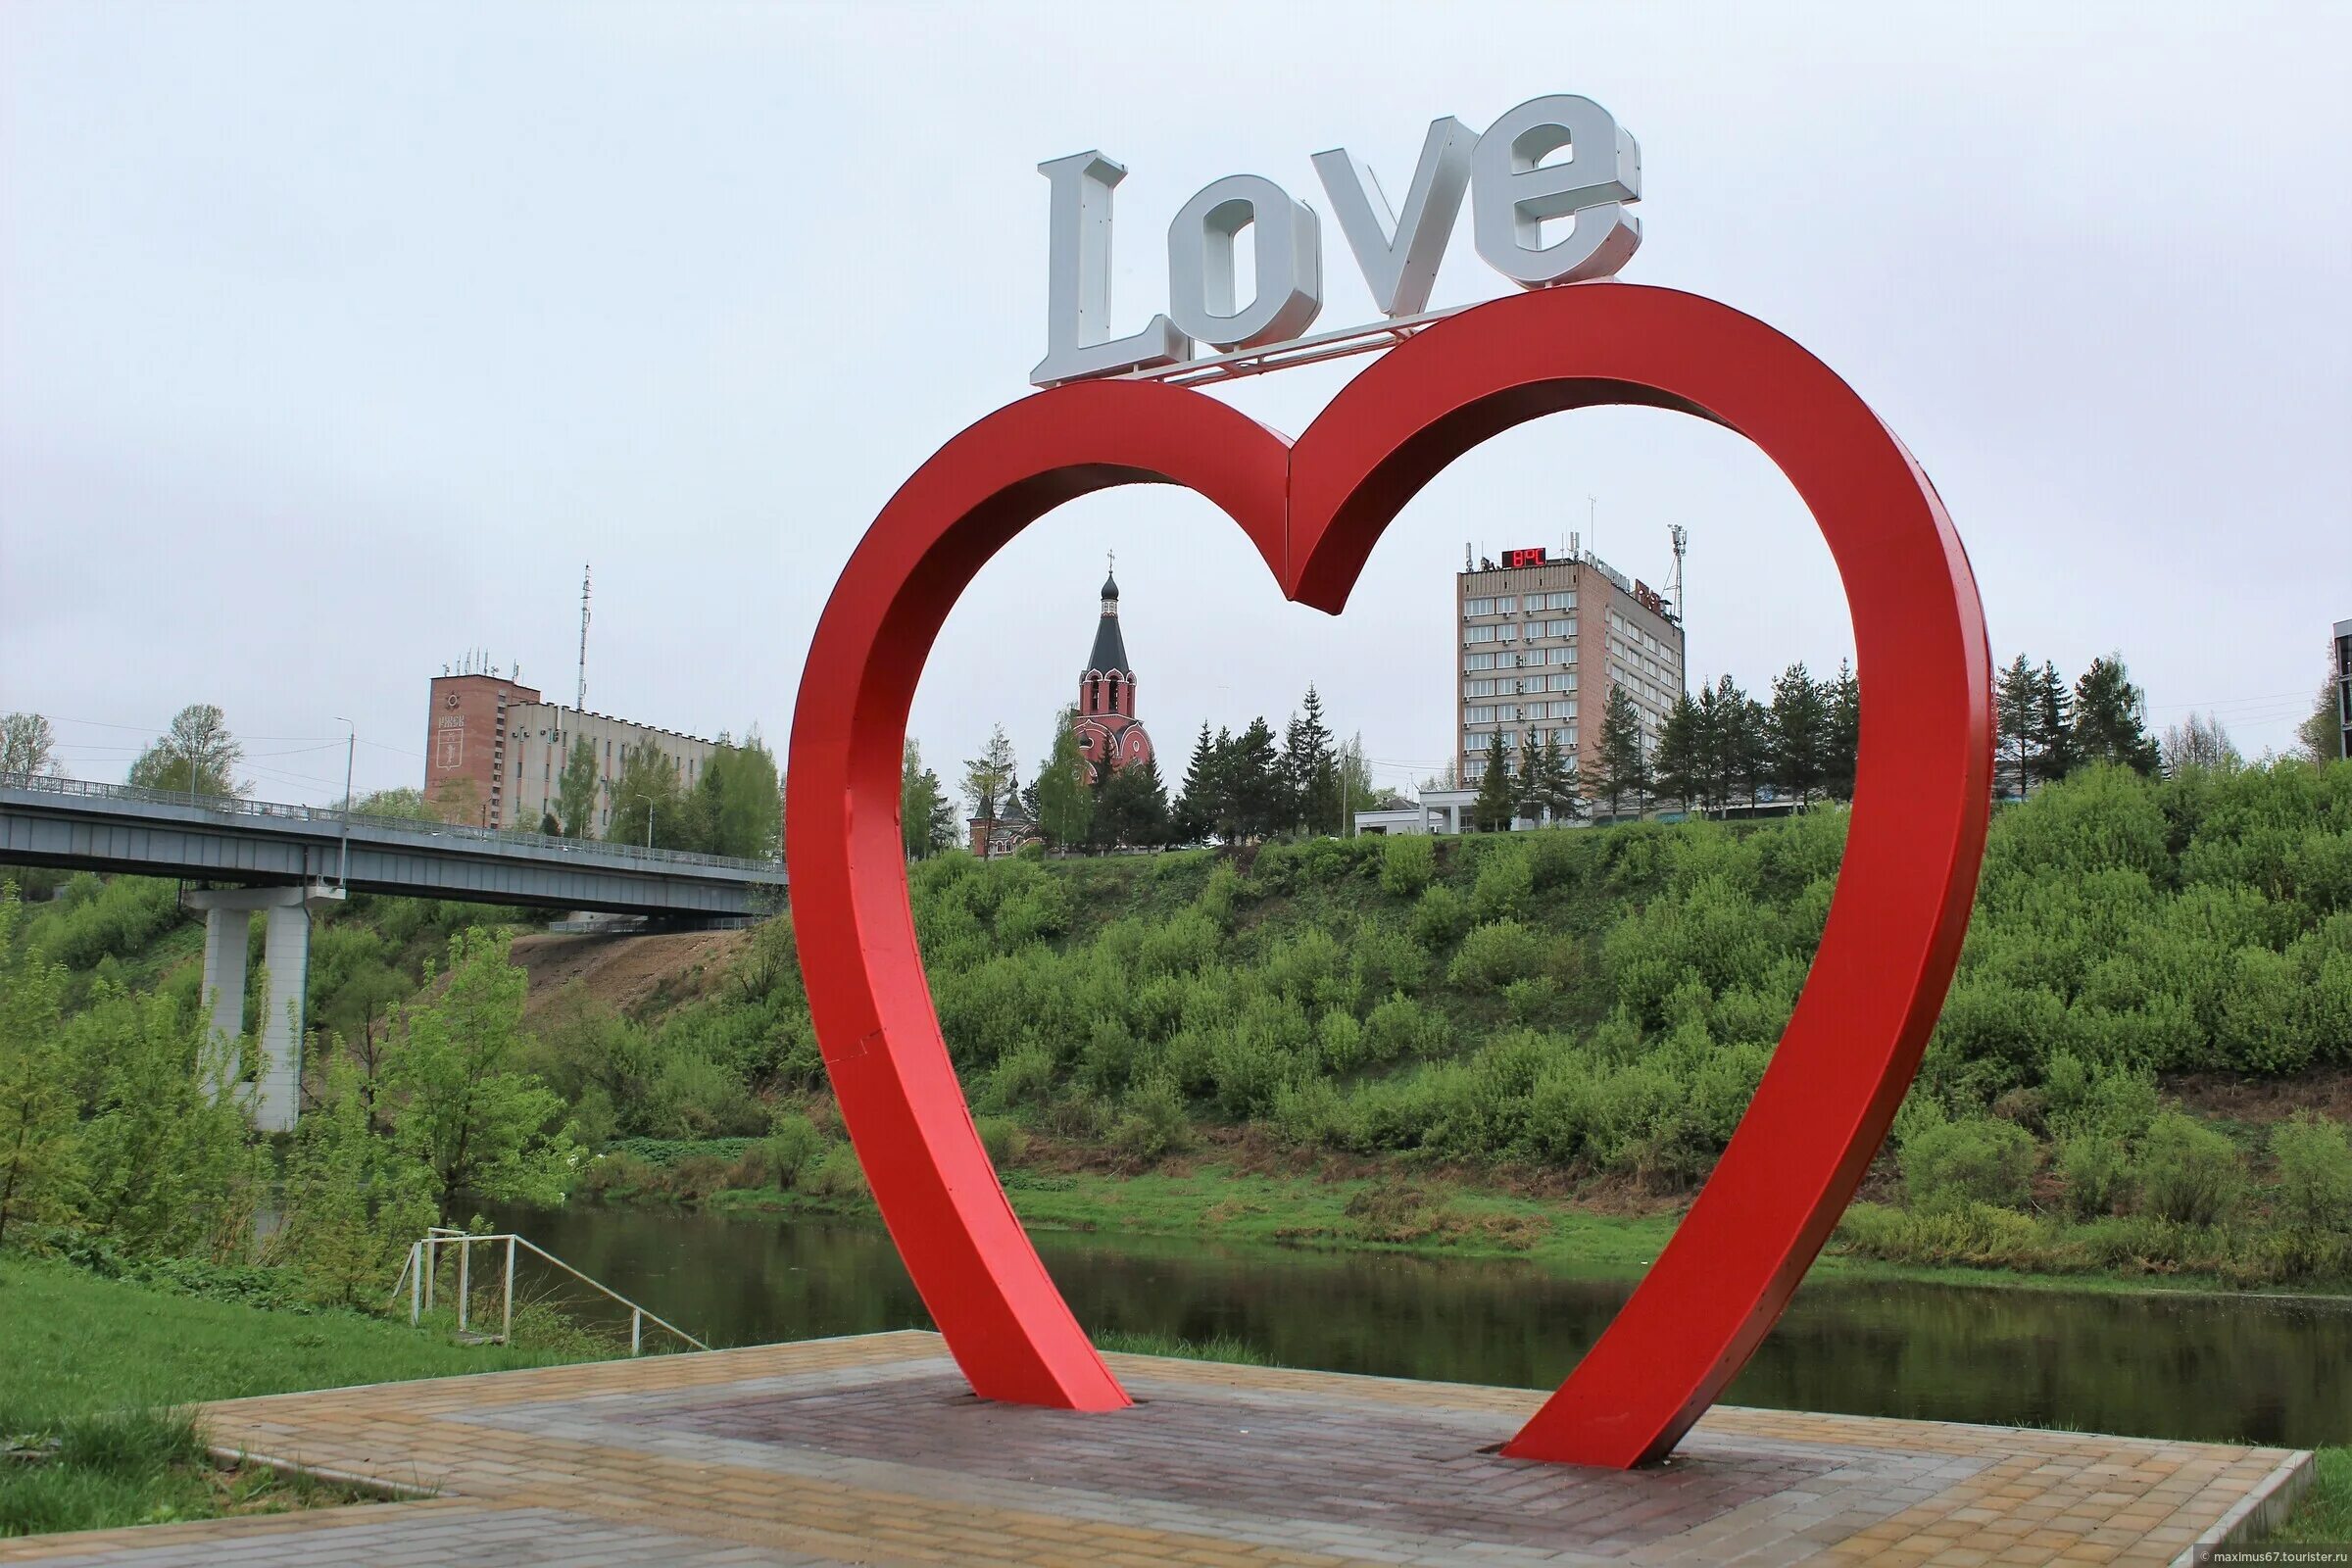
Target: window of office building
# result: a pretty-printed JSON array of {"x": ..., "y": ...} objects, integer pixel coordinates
[
  {"x": 1478, "y": 634},
  {"x": 1479, "y": 661},
  {"x": 1478, "y": 715},
  {"x": 1507, "y": 604},
  {"x": 1476, "y": 739},
  {"x": 1564, "y": 656},
  {"x": 1565, "y": 681},
  {"x": 1479, "y": 688},
  {"x": 1561, "y": 628},
  {"x": 1478, "y": 607}
]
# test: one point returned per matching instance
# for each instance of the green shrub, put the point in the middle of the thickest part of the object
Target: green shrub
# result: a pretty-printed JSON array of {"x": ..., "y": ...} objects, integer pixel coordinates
[
  {"x": 1975, "y": 1159},
  {"x": 790, "y": 1150},
  {"x": 838, "y": 1176},
  {"x": 2096, "y": 1167},
  {"x": 1439, "y": 917},
  {"x": 1407, "y": 860},
  {"x": 1530, "y": 997},
  {"x": 2314, "y": 1173},
  {"x": 1400, "y": 1028},
  {"x": 1152, "y": 1122},
  {"x": 1026, "y": 1077},
  {"x": 1004, "y": 1140},
  {"x": 1504, "y": 887},
  {"x": 2188, "y": 1173},
  {"x": 1494, "y": 955}
]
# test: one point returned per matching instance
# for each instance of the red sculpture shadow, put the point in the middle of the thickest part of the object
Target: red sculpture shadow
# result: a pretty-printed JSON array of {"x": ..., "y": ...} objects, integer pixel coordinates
[{"x": 1314, "y": 510}]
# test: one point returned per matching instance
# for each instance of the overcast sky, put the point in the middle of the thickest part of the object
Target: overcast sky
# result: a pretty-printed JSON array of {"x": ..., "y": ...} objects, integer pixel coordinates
[{"x": 335, "y": 339}]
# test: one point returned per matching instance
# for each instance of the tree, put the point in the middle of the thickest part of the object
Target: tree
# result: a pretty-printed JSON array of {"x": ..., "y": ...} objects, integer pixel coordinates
[
  {"x": 1196, "y": 815},
  {"x": 1797, "y": 734},
  {"x": 1065, "y": 806},
  {"x": 1357, "y": 790},
  {"x": 1310, "y": 780},
  {"x": 735, "y": 808},
  {"x": 2199, "y": 742},
  {"x": 577, "y": 790},
  {"x": 1131, "y": 807},
  {"x": 353, "y": 1200},
  {"x": 2054, "y": 744},
  {"x": 1729, "y": 736},
  {"x": 926, "y": 819},
  {"x": 1548, "y": 781},
  {"x": 402, "y": 800},
  {"x": 986, "y": 779},
  {"x": 1252, "y": 780},
  {"x": 2107, "y": 724},
  {"x": 1622, "y": 765},
  {"x": 27, "y": 744},
  {"x": 36, "y": 1107},
  {"x": 1683, "y": 761},
  {"x": 460, "y": 800},
  {"x": 196, "y": 756},
  {"x": 460, "y": 1102},
  {"x": 1841, "y": 758},
  {"x": 2322, "y": 733},
  {"x": 1497, "y": 803},
  {"x": 649, "y": 804},
  {"x": 2017, "y": 717}
]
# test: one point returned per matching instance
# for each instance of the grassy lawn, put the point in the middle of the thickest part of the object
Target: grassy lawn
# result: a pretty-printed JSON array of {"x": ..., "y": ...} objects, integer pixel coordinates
[{"x": 104, "y": 1371}]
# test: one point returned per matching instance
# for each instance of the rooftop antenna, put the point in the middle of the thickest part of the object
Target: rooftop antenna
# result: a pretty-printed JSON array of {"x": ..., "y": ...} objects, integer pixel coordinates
[
  {"x": 1674, "y": 584},
  {"x": 580, "y": 698},
  {"x": 1593, "y": 522}
]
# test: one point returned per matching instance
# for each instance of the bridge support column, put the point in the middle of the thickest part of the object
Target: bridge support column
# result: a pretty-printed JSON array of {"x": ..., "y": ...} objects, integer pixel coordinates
[{"x": 287, "y": 955}]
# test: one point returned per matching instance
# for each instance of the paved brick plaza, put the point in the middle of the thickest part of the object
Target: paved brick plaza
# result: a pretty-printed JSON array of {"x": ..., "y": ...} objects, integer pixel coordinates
[{"x": 870, "y": 1449}]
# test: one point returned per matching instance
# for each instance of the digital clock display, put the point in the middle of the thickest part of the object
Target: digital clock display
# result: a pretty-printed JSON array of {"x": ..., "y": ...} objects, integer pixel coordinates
[{"x": 1523, "y": 557}]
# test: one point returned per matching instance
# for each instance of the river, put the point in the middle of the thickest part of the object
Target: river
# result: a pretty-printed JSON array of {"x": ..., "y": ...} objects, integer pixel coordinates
[{"x": 2264, "y": 1369}]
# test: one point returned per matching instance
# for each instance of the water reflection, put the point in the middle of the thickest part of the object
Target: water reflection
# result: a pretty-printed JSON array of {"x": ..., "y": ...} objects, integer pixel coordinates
[{"x": 2180, "y": 1366}]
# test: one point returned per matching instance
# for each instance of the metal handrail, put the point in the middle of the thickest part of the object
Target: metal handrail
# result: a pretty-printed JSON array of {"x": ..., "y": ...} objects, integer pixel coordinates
[
  {"x": 419, "y": 1273},
  {"x": 415, "y": 826}
]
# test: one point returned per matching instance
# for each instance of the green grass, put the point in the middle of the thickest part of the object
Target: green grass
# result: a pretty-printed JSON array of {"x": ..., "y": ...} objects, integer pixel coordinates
[
  {"x": 1216, "y": 1347},
  {"x": 108, "y": 1370},
  {"x": 2324, "y": 1515}
]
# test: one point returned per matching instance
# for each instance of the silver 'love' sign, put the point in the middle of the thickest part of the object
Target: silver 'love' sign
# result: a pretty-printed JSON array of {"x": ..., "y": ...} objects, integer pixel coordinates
[{"x": 1514, "y": 193}]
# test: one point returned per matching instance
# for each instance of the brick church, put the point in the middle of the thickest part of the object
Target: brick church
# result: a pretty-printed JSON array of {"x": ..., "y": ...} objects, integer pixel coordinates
[{"x": 1109, "y": 735}]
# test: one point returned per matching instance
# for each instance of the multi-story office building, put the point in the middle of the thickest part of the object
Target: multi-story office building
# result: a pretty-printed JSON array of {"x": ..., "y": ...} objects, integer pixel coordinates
[
  {"x": 1543, "y": 640},
  {"x": 2343, "y": 687},
  {"x": 495, "y": 752}
]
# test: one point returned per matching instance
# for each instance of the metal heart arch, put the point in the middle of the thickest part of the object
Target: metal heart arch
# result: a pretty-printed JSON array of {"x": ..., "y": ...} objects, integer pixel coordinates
[{"x": 1314, "y": 510}]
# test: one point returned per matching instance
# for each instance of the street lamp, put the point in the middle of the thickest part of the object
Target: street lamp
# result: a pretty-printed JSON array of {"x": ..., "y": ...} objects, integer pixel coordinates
[
  {"x": 649, "y": 817},
  {"x": 351, "y": 747}
]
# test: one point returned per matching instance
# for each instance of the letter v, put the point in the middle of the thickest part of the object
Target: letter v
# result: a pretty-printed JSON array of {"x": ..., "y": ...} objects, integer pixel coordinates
[{"x": 1399, "y": 256}]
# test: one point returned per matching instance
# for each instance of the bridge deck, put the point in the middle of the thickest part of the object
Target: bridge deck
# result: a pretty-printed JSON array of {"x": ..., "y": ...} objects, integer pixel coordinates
[{"x": 100, "y": 827}]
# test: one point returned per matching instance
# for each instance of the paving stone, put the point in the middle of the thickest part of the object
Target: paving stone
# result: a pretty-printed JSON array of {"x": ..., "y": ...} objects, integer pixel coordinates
[{"x": 870, "y": 1448}]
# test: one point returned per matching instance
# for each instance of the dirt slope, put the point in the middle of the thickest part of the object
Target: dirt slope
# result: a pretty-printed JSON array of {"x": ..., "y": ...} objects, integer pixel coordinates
[{"x": 632, "y": 974}]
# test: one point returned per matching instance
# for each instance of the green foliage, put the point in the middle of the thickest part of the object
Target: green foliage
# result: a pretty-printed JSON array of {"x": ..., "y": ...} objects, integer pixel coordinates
[
  {"x": 2188, "y": 1173},
  {"x": 1439, "y": 917},
  {"x": 2314, "y": 1173},
  {"x": 1407, "y": 860},
  {"x": 1973, "y": 1159},
  {"x": 1504, "y": 885},
  {"x": 38, "y": 1166},
  {"x": 354, "y": 1202},
  {"x": 1494, "y": 955},
  {"x": 2096, "y": 1167},
  {"x": 459, "y": 1100}
]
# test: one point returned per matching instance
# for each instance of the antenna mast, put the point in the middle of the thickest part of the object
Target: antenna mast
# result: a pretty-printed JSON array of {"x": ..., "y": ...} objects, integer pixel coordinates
[
  {"x": 580, "y": 701},
  {"x": 1674, "y": 585}
]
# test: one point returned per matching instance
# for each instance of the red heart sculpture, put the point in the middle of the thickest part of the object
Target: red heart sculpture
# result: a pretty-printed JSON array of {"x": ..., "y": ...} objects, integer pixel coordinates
[{"x": 1314, "y": 510}]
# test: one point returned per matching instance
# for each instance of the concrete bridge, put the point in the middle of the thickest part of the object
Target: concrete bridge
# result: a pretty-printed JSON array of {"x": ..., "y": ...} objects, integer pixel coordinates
[{"x": 290, "y": 860}]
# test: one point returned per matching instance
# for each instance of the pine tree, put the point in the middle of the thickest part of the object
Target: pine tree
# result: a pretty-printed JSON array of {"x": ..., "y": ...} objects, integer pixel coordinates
[
  {"x": 1195, "y": 814},
  {"x": 1497, "y": 803},
  {"x": 1253, "y": 782},
  {"x": 986, "y": 779},
  {"x": 1842, "y": 756},
  {"x": 2107, "y": 726},
  {"x": 1797, "y": 734},
  {"x": 1548, "y": 782},
  {"x": 926, "y": 823},
  {"x": 1310, "y": 778},
  {"x": 1682, "y": 760},
  {"x": 2053, "y": 727},
  {"x": 1624, "y": 770},
  {"x": 2017, "y": 717},
  {"x": 1131, "y": 808}
]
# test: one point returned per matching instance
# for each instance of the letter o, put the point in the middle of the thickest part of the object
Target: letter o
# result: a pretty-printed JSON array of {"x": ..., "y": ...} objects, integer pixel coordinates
[{"x": 1288, "y": 253}]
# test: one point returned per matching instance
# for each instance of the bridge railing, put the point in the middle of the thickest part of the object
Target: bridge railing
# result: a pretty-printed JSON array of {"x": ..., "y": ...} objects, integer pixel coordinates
[{"x": 236, "y": 805}]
